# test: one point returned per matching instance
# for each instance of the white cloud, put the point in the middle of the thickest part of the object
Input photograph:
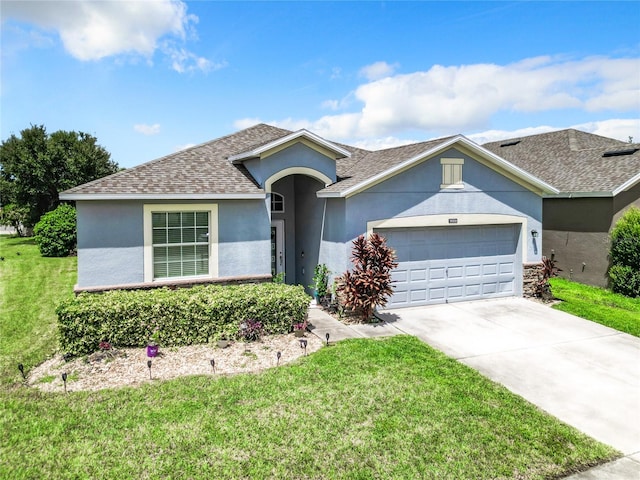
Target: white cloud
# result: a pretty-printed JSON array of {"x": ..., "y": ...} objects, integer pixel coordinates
[
  {"x": 378, "y": 70},
  {"x": 246, "y": 123},
  {"x": 92, "y": 30},
  {"x": 147, "y": 129},
  {"x": 184, "y": 147},
  {"x": 383, "y": 142},
  {"x": 331, "y": 104},
  {"x": 618, "y": 128},
  {"x": 445, "y": 100}
]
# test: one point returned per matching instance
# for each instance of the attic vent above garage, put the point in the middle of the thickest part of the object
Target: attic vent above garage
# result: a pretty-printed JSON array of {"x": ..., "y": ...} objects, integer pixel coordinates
[
  {"x": 618, "y": 153},
  {"x": 510, "y": 144}
]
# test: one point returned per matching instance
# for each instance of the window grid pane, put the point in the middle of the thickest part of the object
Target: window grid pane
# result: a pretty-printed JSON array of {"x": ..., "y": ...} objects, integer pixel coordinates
[{"x": 180, "y": 243}]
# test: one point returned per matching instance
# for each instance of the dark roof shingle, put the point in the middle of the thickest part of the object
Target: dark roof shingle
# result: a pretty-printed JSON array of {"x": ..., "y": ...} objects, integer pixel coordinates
[{"x": 571, "y": 160}]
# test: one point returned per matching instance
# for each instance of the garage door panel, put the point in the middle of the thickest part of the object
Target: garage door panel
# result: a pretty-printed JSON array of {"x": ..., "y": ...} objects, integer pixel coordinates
[
  {"x": 438, "y": 265},
  {"x": 473, "y": 270},
  {"x": 418, "y": 274}
]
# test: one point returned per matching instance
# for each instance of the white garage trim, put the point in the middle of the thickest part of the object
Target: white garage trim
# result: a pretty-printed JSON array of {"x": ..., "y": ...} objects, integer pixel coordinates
[{"x": 454, "y": 220}]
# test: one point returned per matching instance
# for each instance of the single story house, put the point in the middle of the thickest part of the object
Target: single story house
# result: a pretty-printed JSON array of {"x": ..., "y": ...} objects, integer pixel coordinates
[
  {"x": 464, "y": 221},
  {"x": 598, "y": 179}
]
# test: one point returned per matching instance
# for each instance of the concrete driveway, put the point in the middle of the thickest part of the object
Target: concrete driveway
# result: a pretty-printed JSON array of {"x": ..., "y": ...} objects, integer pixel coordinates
[{"x": 585, "y": 374}]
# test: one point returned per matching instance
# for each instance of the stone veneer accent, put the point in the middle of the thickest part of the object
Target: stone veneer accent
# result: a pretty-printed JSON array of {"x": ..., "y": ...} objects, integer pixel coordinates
[
  {"x": 531, "y": 275},
  {"x": 172, "y": 285}
]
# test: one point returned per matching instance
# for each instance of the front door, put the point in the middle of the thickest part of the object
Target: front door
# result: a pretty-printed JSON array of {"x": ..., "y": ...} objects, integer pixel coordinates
[{"x": 277, "y": 247}]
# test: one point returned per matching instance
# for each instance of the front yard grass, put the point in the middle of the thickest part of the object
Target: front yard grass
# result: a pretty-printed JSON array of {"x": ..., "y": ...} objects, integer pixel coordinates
[
  {"x": 598, "y": 305},
  {"x": 392, "y": 408},
  {"x": 30, "y": 289}
]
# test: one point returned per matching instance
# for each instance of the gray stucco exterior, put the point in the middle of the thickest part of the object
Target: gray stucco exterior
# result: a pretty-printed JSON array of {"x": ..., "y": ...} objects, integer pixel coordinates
[{"x": 111, "y": 240}]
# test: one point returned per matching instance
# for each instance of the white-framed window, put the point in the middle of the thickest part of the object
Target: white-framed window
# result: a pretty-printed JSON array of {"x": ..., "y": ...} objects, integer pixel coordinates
[
  {"x": 180, "y": 241},
  {"x": 452, "y": 172},
  {"x": 277, "y": 203}
]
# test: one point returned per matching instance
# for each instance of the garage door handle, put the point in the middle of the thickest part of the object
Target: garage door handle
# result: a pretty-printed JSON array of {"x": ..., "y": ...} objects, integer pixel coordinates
[{"x": 446, "y": 273}]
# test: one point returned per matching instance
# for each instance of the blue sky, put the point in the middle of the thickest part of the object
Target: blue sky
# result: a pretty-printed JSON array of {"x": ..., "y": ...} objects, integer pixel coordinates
[{"x": 148, "y": 78}]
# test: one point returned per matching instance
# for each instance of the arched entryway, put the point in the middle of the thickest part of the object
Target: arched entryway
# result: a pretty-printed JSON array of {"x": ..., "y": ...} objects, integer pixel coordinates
[{"x": 296, "y": 227}]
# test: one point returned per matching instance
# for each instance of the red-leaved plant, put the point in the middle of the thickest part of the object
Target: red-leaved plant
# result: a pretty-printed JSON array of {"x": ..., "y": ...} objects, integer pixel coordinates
[{"x": 369, "y": 284}]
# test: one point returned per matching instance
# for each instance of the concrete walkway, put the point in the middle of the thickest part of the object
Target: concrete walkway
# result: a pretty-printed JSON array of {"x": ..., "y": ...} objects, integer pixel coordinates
[{"x": 585, "y": 374}]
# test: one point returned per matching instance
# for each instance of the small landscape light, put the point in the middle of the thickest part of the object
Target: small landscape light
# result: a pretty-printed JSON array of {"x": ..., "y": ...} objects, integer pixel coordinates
[
  {"x": 149, "y": 365},
  {"x": 213, "y": 365},
  {"x": 303, "y": 344},
  {"x": 21, "y": 368},
  {"x": 278, "y": 355},
  {"x": 327, "y": 337},
  {"x": 64, "y": 380}
]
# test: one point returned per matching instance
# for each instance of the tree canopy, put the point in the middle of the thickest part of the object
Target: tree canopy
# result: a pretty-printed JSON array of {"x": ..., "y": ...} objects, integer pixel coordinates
[{"x": 36, "y": 166}]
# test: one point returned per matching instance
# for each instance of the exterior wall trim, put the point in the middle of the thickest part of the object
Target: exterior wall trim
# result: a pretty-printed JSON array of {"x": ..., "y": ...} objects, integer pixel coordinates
[
  {"x": 155, "y": 196},
  {"x": 212, "y": 208},
  {"x": 465, "y": 219},
  {"x": 310, "y": 172},
  {"x": 300, "y": 134}
]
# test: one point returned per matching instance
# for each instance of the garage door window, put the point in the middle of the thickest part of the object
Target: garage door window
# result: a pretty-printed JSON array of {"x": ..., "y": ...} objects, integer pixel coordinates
[{"x": 452, "y": 172}]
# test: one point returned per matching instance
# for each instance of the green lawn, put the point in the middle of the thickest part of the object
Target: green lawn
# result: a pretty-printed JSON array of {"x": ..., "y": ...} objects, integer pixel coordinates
[
  {"x": 30, "y": 289},
  {"x": 392, "y": 408},
  {"x": 598, "y": 305}
]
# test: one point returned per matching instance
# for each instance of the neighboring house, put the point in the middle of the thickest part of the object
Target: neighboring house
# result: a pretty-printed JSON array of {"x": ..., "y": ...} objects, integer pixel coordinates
[
  {"x": 598, "y": 179},
  {"x": 463, "y": 221}
]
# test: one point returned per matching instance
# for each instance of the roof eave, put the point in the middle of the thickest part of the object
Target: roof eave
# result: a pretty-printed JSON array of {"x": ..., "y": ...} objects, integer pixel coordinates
[
  {"x": 627, "y": 185},
  {"x": 257, "y": 152},
  {"x": 166, "y": 196},
  {"x": 579, "y": 195}
]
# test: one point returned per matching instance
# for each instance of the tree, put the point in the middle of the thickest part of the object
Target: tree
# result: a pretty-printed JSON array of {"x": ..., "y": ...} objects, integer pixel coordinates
[
  {"x": 14, "y": 216},
  {"x": 369, "y": 284},
  {"x": 624, "y": 273},
  {"x": 36, "y": 167}
]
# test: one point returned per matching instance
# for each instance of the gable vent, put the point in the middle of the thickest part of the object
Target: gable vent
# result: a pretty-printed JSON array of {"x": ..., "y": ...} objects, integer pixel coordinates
[
  {"x": 509, "y": 144},
  {"x": 618, "y": 153}
]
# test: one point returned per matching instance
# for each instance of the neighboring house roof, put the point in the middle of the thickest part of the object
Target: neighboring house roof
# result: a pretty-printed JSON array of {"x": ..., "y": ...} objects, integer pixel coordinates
[
  {"x": 214, "y": 170},
  {"x": 576, "y": 163}
]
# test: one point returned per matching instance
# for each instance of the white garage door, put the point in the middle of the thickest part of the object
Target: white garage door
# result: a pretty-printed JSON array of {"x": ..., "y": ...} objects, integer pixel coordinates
[{"x": 449, "y": 264}]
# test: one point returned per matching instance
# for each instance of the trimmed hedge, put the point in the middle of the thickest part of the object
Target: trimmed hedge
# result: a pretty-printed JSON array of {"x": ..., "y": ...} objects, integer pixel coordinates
[{"x": 176, "y": 317}]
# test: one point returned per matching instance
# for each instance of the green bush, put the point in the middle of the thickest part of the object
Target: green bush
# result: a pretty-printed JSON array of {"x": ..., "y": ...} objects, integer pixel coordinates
[
  {"x": 55, "y": 233},
  {"x": 625, "y": 280},
  {"x": 176, "y": 317},
  {"x": 624, "y": 273}
]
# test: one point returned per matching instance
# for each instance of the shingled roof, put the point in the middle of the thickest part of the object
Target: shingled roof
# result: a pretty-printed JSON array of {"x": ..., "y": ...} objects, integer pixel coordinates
[
  {"x": 574, "y": 162},
  {"x": 203, "y": 170}
]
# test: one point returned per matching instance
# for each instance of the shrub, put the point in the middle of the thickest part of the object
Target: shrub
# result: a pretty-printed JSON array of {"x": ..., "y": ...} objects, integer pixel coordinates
[
  {"x": 369, "y": 284},
  {"x": 625, "y": 280},
  {"x": 55, "y": 233},
  {"x": 178, "y": 317},
  {"x": 320, "y": 280},
  {"x": 624, "y": 274}
]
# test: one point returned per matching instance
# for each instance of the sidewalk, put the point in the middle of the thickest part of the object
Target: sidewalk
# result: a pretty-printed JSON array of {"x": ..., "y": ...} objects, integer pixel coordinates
[{"x": 321, "y": 323}]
